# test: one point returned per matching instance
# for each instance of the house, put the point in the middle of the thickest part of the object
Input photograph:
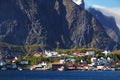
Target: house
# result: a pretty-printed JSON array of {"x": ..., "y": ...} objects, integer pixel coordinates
[
  {"x": 64, "y": 53},
  {"x": 110, "y": 59},
  {"x": 2, "y": 63},
  {"x": 71, "y": 67},
  {"x": 56, "y": 65},
  {"x": 14, "y": 59},
  {"x": 102, "y": 61},
  {"x": 14, "y": 65},
  {"x": 51, "y": 54},
  {"x": 38, "y": 54},
  {"x": 90, "y": 53},
  {"x": 93, "y": 60},
  {"x": 40, "y": 66},
  {"x": 106, "y": 52},
  {"x": 85, "y": 66},
  {"x": 78, "y": 54},
  {"x": 70, "y": 59},
  {"x": 62, "y": 60},
  {"x": 100, "y": 67},
  {"x": 24, "y": 62},
  {"x": 44, "y": 66},
  {"x": 83, "y": 61}
]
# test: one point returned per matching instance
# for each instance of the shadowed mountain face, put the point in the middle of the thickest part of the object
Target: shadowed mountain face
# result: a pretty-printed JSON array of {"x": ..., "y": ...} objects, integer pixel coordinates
[
  {"x": 51, "y": 23},
  {"x": 108, "y": 23}
]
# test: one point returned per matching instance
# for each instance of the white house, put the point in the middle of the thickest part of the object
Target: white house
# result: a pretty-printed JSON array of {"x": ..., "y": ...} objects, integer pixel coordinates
[
  {"x": 62, "y": 60},
  {"x": 100, "y": 67},
  {"x": 14, "y": 59},
  {"x": 102, "y": 61},
  {"x": 110, "y": 59},
  {"x": 40, "y": 66},
  {"x": 93, "y": 59},
  {"x": 90, "y": 53},
  {"x": 2, "y": 63},
  {"x": 51, "y": 53},
  {"x": 24, "y": 62},
  {"x": 106, "y": 52},
  {"x": 78, "y": 54},
  {"x": 70, "y": 59}
]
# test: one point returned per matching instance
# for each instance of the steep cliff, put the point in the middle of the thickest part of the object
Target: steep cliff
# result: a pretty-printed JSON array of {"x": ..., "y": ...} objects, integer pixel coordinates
[
  {"x": 108, "y": 22},
  {"x": 53, "y": 23}
]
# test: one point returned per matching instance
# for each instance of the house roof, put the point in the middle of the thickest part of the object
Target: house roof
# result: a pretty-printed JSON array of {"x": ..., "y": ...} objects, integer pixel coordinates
[{"x": 56, "y": 63}]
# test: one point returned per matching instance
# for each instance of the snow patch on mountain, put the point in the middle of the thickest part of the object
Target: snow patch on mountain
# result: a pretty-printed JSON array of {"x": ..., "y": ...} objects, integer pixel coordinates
[
  {"x": 78, "y": 2},
  {"x": 115, "y": 12}
]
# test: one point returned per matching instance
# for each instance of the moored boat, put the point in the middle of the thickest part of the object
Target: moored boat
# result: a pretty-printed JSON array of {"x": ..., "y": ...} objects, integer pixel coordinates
[{"x": 61, "y": 68}]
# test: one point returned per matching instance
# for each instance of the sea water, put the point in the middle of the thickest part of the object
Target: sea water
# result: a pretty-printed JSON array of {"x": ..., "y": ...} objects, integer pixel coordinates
[{"x": 59, "y": 75}]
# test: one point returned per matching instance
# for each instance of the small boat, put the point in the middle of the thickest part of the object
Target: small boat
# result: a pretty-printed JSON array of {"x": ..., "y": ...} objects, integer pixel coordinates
[
  {"x": 61, "y": 68},
  {"x": 31, "y": 68},
  {"x": 20, "y": 69}
]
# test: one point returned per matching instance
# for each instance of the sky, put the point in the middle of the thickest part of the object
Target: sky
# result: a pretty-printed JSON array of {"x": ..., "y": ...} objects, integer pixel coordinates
[{"x": 105, "y": 3}]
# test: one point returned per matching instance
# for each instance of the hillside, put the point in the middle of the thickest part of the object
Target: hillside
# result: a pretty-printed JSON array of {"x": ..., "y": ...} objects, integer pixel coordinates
[{"x": 53, "y": 23}]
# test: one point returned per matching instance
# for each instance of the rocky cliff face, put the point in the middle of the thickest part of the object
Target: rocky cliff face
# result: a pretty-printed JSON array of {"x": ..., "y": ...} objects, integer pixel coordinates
[
  {"x": 108, "y": 22},
  {"x": 52, "y": 23}
]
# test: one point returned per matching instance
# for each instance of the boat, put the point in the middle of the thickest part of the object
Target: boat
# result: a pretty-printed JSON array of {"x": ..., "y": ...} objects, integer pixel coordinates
[
  {"x": 61, "y": 68},
  {"x": 20, "y": 69}
]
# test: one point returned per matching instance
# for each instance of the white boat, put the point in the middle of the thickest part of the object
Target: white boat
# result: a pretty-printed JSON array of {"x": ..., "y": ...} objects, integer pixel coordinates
[
  {"x": 20, "y": 69},
  {"x": 61, "y": 68},
  {"x": 31, "y": 68}
]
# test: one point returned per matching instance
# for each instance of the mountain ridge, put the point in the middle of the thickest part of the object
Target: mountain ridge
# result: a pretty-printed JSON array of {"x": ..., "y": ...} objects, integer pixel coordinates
[
  {"x": 53, "y": 23},
  {"x": 108, "y": 23}
]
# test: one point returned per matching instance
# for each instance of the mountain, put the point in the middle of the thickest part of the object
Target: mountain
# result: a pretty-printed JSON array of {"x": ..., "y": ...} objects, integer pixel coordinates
[
  {"x": 52, "y": 23},
  {"x": 114, "y": 12},
  {"x": 108, "y": 22}
]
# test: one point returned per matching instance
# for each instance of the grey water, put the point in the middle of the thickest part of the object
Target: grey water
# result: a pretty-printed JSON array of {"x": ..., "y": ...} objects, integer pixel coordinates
[{"x": 57, "y": 75}]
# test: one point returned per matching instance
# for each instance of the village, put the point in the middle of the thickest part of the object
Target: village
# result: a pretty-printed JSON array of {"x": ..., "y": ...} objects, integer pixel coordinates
[{"x": 62, "y": 61}]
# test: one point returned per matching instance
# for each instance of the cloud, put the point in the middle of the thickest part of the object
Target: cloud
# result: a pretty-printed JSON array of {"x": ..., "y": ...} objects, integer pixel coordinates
[
  {"x": 115, "y": 12},
  {"x": 78, "y": 2}
]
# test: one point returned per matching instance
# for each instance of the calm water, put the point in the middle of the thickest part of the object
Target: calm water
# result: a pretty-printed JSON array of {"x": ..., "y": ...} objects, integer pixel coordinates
[{"x": 56, "y": 75}]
